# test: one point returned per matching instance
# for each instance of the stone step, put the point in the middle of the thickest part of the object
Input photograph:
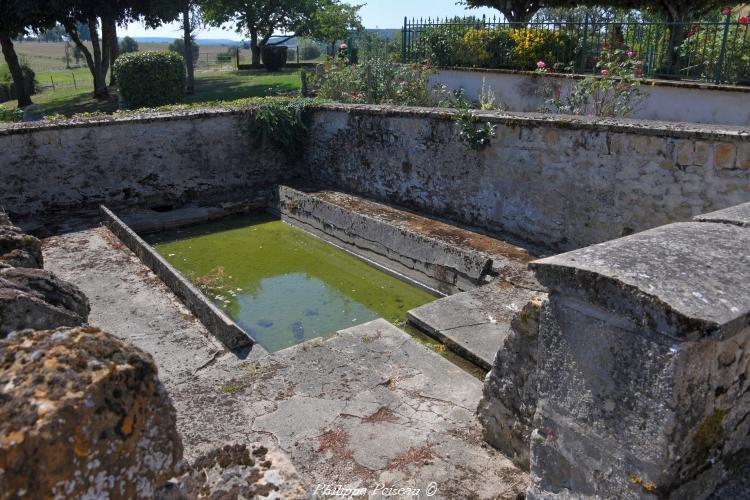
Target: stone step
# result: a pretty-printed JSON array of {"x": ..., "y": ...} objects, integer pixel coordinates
[{"x": 473, "y": 324}]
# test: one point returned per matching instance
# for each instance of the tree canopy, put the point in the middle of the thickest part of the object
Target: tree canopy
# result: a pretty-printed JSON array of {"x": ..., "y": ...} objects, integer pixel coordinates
[
  {"x": 672, "y": 10},
  {"x": 107, "y": 15},
  {"x": 262, "y": 19},
  {"x": 19, "y": 18}
]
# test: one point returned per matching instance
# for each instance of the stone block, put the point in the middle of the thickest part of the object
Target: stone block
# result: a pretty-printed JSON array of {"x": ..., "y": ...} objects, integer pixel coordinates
[
  {"x": 83, "y": 415},
  {"x": 644, "y": 387},
  {"x": 37, "y": 299},
  {"x": 738, "y": 215},
  {"x": 725, "y": 155},
  {"x": 508, "y": 403},
  {"x": 743, "y": 155},
  {"x": 18, "y": 249}
]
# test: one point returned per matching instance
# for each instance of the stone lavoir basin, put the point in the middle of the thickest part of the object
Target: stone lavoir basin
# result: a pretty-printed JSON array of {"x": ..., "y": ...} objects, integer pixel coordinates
[{"x": 281, "y": 285}]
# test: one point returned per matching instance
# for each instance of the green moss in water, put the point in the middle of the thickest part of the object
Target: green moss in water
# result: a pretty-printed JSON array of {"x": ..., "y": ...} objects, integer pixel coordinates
[{"x": 280, "y": 284}]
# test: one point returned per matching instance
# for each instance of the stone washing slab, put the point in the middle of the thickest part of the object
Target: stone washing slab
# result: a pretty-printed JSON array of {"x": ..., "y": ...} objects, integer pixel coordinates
[
  {"x": 368, "y": 406},
  {"x": 473, "y": 324},
  {"x": 738, "y": 215},
  {"x": 440, "y": 255},
  {"x": 689, "y": 280}
]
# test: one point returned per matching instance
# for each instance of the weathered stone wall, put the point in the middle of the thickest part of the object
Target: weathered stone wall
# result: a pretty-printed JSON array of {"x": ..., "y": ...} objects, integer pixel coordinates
[
  {"x": 560, "y": 182},
  {"x": 643, "y": 366},
  {"x": 145, "y": 161}
]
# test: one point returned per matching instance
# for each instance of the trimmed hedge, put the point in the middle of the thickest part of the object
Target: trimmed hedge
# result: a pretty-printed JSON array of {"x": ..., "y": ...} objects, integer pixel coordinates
[{"x": 150, "y": 79}]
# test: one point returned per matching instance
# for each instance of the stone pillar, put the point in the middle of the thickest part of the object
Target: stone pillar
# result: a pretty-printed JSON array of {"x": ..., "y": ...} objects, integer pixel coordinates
[{"x": 644, "y": 348}]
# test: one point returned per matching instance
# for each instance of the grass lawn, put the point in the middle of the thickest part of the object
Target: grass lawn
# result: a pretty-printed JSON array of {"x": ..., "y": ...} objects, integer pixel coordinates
[{"x": 209, "y": 86}]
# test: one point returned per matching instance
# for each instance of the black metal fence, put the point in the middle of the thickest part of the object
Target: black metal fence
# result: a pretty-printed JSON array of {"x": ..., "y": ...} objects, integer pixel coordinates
[{"x": 712, "y": 51}]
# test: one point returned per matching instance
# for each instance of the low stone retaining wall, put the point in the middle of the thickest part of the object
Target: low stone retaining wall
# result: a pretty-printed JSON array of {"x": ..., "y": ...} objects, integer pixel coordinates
[
  {"x": 663, "y": 100},
  {"x": 563, "y": 183},
  {"x": 218, "y": 323},
  {"x": 641, "y": 386},
  {"x": 560, "y": 182},
  {"x": 145, "y": 161}
]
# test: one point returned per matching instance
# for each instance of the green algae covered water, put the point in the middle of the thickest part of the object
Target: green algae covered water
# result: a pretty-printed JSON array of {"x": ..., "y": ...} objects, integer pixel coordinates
[{"x": 281, "y": 285}]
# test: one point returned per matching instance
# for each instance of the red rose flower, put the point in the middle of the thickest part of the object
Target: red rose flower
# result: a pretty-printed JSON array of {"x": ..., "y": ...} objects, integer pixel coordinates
[
  {"x": 726, "y": 12},
  {"x": 743, "y": 20}
]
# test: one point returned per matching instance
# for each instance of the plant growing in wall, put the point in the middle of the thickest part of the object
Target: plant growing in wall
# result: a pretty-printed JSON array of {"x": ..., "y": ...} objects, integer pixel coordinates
[
  {"x": 280, "y": 123},
  {"x": 471, "y": 131}
]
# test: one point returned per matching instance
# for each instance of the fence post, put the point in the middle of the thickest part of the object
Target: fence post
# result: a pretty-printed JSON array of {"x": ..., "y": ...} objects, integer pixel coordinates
[
  {"x": 53, "y": 82},
  {"x": 585, "y": 49},
  {"x": 722, "y": 53},
  {"x": 75, "y": 84},
  {"x": 403, "y": 41}
]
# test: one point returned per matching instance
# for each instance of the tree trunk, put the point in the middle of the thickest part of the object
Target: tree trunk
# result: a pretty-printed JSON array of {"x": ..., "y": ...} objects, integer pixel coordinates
[
  {"x": 187, "y": 34},
  {"x": 24, "y": 98},
  {"x": 113, "y": 46},
  {"x": 98, "y": 70},
  {"x": 255, "y": 48}
]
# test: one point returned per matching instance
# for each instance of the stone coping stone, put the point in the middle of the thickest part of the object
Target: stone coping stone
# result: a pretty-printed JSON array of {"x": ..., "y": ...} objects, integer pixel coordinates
[
  {"x": 473, "y": 324},
  {"x": 528, "y": 119},
  {"x": 687, "y": 280},
  {"x": 217, "y": 322},
  {"x": 739, "y": 215},
  {"x": 443, "y": 256}
]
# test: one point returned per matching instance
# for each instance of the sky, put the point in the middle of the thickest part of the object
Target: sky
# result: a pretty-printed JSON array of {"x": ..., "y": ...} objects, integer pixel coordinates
[{"x": 375, "y": 14}]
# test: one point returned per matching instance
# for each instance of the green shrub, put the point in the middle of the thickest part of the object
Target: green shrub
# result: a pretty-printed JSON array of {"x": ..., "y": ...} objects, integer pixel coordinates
[
  {"x": 10, "y": 115},
  {"x": 179, "y": 46},
  {"x": 500, "y": 47},
  {"x": 442, "y": 45},
  {"x": 376, "y": 81},
  {"x": 309, "y": 51},
  {"x": 472, "y": 48},
  {"x": 150, "y": 79},
  {"x": 274, "y": 56},
  {"x": 8, "y": 88}
]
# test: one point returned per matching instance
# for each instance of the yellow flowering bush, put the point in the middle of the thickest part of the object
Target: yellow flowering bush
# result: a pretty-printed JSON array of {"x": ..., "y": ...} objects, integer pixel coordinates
[{"x": 533, "y": 45}]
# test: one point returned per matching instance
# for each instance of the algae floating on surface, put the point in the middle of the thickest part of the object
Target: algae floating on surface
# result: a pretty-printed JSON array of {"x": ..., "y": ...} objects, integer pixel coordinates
[{"x": 280, "y": 284}]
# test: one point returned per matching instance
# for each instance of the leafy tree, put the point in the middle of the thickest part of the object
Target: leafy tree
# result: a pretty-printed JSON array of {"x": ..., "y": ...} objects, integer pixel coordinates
[
  {"x": 336, "y": 21},
  {"x": 260, "y": 19},
  {"x": 673, "y": 12},
  {"x": 179, "y": 46},
  {"x": 106, "y": 15},
  {"x": 19, "y": 18},
  {"x": 83, "y": 32},
  {"x": 128, "y": 45},
  {"x": 54, "y": 34}
]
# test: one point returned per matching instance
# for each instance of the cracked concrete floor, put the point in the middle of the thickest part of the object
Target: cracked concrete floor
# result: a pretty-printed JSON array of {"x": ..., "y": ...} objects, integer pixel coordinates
[{"x": 368, "y": 406}]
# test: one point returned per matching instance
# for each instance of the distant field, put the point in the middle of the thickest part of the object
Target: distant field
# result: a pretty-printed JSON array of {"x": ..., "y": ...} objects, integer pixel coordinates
[
  {"x": 68, "y": 90},
  {"x": 49, "y": 57}
]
